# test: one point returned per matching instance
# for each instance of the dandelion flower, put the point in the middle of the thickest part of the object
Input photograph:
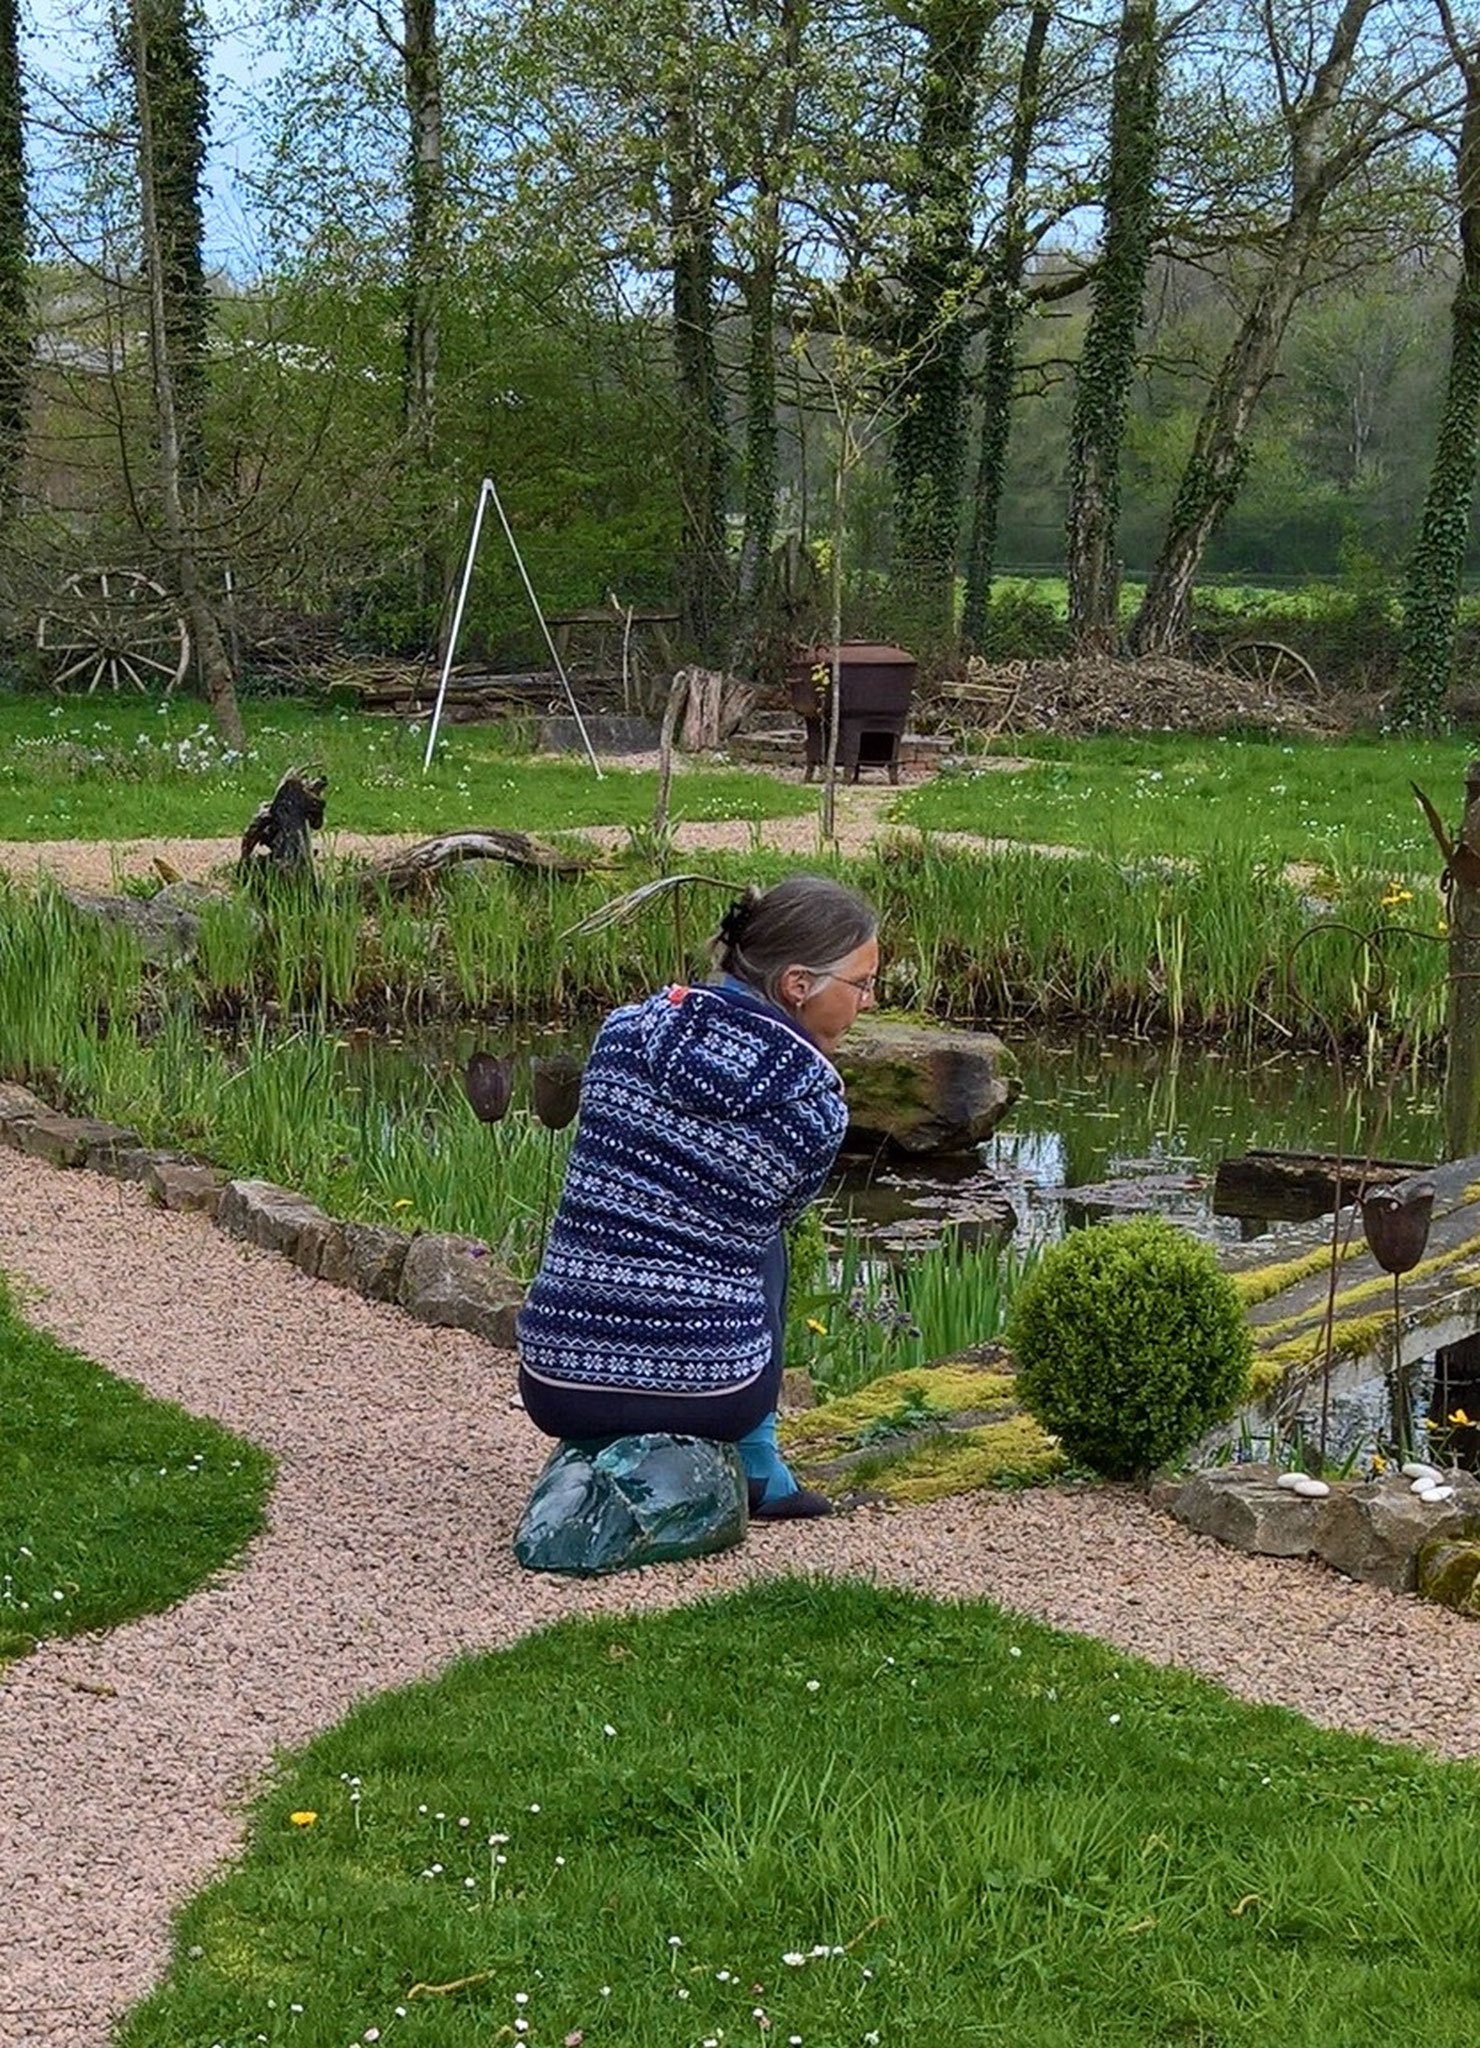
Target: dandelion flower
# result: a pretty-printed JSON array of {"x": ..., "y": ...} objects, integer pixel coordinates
[
  {"x": 818, "y": 1329},
  {"x": 1459, "y": 1416},
  {"x": 303, "y": 1819}
]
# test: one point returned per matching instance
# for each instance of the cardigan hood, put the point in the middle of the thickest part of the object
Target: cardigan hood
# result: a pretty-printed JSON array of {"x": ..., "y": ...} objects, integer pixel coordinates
[{"x": 718, "y": 1054}]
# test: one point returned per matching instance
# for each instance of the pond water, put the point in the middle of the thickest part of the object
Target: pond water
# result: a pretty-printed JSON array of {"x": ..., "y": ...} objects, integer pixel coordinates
[{"x": 1119, "y": 1127}]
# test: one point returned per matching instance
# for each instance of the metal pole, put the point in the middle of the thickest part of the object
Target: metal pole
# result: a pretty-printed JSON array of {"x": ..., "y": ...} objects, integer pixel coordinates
[
  {"x": 462, "y": 598},
  {"x": 489, "y": 486},
  {"x": 487, "y": 490}
]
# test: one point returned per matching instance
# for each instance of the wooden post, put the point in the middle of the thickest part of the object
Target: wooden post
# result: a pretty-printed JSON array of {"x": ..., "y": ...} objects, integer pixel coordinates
[{"x": 1462, "y": 1076}]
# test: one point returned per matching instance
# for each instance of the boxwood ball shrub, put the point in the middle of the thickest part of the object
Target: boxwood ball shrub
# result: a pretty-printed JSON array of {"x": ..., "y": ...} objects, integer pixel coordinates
[{"x": 1130, "y": 1342}]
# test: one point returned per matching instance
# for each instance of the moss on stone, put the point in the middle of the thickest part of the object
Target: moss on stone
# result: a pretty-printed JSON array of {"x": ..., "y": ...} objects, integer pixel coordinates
[
  {"x": 1354, "y": 1337},
  {"x": 1014, "y": 1451},
  {"x": 1262, "y": 1283},
  {"x": 1449, "y": 1574},
  {"x": 936, "y": 1390}
]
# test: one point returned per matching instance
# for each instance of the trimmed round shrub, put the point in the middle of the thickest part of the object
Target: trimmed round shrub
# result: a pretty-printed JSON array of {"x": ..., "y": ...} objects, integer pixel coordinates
[{"x": 1130, "y": 1341}]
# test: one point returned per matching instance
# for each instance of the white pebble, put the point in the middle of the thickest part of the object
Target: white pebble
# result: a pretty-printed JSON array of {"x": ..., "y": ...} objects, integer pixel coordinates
[
  {"x": 1289, "y": 1480},
  {"x": 1415, "y": 1469},
  {"x": 1422, "y": 1485},
  {"x": 1434, "y": 1493},
  {"x": 1310, "y": 1489}
]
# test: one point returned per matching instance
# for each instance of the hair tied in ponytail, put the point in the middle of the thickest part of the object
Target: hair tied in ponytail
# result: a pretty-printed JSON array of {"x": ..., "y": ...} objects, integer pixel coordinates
[{"x": 733, "y": 925}]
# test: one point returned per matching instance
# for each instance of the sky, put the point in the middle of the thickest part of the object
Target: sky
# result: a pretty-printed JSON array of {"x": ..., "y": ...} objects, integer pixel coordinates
[{"x": 65, "y": 44}]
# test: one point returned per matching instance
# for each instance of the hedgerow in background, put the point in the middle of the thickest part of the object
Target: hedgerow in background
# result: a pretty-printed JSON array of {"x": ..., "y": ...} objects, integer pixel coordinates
[{"x": 1130, "y": 1341}]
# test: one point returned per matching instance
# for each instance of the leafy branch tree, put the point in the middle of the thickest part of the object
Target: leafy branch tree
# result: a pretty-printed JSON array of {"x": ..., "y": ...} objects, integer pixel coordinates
[
  {"x": 932, "y": 321},
  {"x": 1337, "y": 115}
]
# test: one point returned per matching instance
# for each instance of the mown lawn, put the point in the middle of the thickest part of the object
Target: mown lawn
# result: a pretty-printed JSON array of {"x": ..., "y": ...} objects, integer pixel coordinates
[
  {"x": 831, "y": 1816},
  {"x": 112, "y": 1504},
  {"x": 116, "y": 769},
  {"x": 1329, "y": 804}
]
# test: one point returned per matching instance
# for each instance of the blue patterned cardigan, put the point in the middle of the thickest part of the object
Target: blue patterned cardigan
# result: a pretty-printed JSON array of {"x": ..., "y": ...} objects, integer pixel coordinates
[{"x": 707, "y": 1123}]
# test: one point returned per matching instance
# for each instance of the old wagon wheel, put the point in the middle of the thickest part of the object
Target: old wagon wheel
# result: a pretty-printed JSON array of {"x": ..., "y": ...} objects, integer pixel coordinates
[
  {"x": 1275, "y": 666},
  {"x": 116, "y": 628}
]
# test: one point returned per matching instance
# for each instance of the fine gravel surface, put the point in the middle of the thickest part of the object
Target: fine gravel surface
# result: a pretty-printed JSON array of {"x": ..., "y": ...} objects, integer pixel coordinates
[{"x": 125, "y": 1757}]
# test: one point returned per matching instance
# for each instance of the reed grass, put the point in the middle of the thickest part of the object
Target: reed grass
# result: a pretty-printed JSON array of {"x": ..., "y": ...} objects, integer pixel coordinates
[{"x": 855, "y": 1315}]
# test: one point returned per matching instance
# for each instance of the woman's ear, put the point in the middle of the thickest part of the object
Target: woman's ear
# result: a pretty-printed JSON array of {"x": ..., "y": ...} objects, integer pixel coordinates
[{"x": 796, "y": 986}]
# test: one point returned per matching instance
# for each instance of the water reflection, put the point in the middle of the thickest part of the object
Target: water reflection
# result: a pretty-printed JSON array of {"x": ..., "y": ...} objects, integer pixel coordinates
[{"x": 1114, "y": 1127}]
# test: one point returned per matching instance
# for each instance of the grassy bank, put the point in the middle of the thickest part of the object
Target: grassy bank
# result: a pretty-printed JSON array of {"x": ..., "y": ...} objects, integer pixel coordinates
[
  {"x": 112, "y": 1504},
  {"x": 827, "y": 1815}
]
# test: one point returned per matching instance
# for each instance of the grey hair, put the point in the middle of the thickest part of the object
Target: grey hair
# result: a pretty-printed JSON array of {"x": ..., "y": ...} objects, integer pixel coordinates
[{"x": 805, "y": 921}]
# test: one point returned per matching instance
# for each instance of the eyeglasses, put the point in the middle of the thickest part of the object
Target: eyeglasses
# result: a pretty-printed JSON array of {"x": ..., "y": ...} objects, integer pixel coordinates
[{"x": 864, "y": 984}]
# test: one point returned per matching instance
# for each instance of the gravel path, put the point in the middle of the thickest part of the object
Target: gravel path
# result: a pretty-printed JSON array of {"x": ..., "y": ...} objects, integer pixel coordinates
[{"x": 124, "y": 1757}]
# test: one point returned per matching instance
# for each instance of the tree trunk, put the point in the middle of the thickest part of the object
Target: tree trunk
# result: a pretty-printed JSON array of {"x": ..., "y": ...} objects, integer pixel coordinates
[
  {"x": 759, "y": 287},
  {"x": 1220, "y": 450},
  {"x": 1004, "y": 283},
  {"x": 1435, "y": 573},
  {"x": 425, "y": 273},
  {"x": 163, "y": 266},
  {"x": 703, "y": 446},
  {"x": 1107, "y": 363},
  {"x": 15, "y": 320},
  {"x": 1215, "y": 469},
  {"x": 169, "y": 79},
  {"x": 930, "y": 438}
]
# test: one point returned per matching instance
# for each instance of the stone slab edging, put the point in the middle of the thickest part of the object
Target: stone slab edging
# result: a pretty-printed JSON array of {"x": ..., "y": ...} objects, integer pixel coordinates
[
  {"x": 1376, "y": 1530},
  {"x": 439, "y": 1279}
]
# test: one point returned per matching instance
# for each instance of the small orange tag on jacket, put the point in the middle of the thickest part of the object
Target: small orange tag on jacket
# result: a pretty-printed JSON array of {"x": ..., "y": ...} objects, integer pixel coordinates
[{"x": 676, "y": 995}]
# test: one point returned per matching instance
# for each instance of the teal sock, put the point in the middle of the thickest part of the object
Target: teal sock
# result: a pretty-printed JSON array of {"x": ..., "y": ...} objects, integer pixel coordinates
[{"x": 763, "y": 1462}]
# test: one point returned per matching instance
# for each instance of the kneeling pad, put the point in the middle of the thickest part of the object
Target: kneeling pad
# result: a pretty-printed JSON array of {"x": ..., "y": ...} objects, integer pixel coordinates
[{"x": 636, "y": 1500}]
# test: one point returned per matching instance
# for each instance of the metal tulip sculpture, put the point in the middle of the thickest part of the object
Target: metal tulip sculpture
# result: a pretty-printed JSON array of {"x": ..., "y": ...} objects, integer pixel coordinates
[
  {"x": 556, "y": 1086},
  {"x": 1395, "y": 1222},
  {"x": 489, "y": 1085}
]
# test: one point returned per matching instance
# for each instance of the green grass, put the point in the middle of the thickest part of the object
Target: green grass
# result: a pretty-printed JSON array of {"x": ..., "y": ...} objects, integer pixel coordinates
[
  {"x": 833, "y": 1815},
  {"x": 112, "y": 1504},
  {"x": 124, "y": 768},
  {"x": 1336, "y": 806}
]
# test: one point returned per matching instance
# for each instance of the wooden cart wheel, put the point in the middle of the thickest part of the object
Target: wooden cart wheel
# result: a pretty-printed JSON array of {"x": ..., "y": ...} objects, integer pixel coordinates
[
  {"x": 1273, "y": 664},
  {"x": 114, "y": 628}
]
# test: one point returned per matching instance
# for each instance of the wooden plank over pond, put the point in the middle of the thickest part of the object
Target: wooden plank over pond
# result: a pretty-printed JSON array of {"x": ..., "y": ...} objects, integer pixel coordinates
[{"x": 1286, "y": 1282}]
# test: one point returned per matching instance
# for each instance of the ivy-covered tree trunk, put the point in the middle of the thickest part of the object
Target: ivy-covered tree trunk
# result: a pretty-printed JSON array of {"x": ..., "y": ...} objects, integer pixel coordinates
[
  {"x": 15, "y": 321},
  {"x": 170, "y": 89},
  {"x": 1107, "y": 362},
  {"x": 759, "y": 287},
  {"x": 170, "y": 100},
  {"x": 1431, "y": 600},
  {"x": 1320, "y": 156},
  {"x": 1004, "y": 288},
  {"x": 929, "y": 450},
  {"x": 703, "y": 442},
  {"x": 425, "y": 273}
]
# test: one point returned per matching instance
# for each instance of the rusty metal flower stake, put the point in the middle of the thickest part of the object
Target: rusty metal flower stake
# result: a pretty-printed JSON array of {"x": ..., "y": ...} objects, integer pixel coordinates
[
  {"x": 489, "y": 1084},
  {"x": 555, "y": 1084},
  {"x": 1395, "y": 1222}
]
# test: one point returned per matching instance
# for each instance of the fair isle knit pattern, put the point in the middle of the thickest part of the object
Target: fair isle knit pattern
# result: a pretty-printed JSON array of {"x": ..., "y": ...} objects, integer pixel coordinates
[{"x": 705, "y": 1125}]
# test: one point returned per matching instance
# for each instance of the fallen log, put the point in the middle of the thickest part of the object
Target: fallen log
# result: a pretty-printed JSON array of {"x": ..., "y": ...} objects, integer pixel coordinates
[{"x": 412, "y": 869}]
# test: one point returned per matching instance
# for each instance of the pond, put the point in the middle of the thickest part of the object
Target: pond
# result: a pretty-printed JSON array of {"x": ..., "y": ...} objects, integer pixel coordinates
[{"x": 1118, "y": 1127}]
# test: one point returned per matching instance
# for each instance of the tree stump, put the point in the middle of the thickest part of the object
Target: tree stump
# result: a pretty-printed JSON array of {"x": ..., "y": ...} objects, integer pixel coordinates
[{"x": 277, "y": 840}]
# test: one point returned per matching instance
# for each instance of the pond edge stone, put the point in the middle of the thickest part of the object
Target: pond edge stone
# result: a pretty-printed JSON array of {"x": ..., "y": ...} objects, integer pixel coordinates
[{"x": 446, "y": 1281}]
